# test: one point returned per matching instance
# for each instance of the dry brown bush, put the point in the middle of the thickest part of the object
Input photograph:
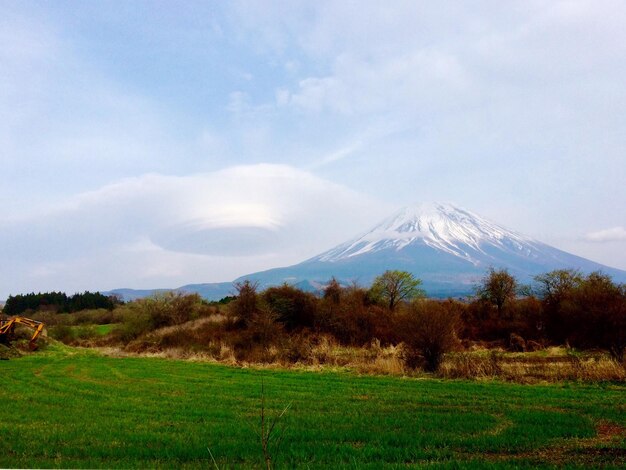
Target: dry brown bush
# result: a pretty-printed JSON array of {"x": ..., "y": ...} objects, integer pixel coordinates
[{"x": 429, "y": 330}]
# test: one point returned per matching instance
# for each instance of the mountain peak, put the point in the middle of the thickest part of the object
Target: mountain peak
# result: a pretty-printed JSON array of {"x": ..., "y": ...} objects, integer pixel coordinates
[{"x": 441, "y": 226}]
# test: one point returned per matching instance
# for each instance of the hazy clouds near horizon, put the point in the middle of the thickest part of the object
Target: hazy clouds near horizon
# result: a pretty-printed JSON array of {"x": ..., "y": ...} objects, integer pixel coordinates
[{"x": 149, "y": 144}]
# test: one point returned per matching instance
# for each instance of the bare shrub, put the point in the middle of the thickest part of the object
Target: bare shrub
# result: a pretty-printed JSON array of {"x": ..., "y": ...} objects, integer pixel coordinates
[
  {"x": 333, "y": 291},
  {"x": 517, "y": 343},
  {"x": 170, "y": 308},
  {"x": 259, "y": 340},
  {"x": 294, "y": 308},
  {"x": 246, "y": 303},
  {"x": 298, "y": 349},
  {"x": 355, "y": 320},
  {"x": 429, "y": 330},
  {"x": 271, "y": 431}
]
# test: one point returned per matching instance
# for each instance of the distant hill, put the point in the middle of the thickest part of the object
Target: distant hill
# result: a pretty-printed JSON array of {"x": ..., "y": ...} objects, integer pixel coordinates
[
  {"x": 449, "y": 248},
  {"x": 210, "y": 291}
]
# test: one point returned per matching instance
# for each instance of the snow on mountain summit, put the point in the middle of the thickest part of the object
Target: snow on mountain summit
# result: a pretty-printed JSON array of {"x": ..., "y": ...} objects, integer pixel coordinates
[{"x": 443, "y": 227}]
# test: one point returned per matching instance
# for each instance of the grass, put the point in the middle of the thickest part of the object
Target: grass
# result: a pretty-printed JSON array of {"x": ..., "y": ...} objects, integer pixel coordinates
[
  {"x": 103, "y": 330},
  {"x": 68, "y": 407}
]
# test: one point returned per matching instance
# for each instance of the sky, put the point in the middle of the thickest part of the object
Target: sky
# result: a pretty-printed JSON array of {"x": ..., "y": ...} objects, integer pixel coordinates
[{"x": 155, "y": 144}]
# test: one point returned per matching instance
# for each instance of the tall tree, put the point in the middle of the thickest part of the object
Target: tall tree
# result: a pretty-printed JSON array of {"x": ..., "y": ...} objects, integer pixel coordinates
[
  {"x": 555, "y": 290},
  {"x": 246, "y": 304},
  {"x": 497, "y": 287},
  {"x": 396, "y": 286},
  {"x": 555, "y": 285}
]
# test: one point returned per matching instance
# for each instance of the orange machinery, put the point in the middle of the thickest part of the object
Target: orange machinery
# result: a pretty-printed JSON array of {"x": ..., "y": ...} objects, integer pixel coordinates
[{"x": 7, "y": 327}]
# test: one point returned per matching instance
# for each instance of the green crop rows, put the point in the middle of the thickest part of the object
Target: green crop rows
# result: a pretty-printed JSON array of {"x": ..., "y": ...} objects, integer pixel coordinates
[{"x": 74, "y": 408}]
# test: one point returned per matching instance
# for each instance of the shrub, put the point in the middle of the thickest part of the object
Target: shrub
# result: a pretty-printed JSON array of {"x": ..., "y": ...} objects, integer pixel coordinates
[
  {"x": 527, "y": 318},
  {"x": 333, "y": 292},
  {"x": 96, "y": 317},
  {"x": 293, "y": 308},
  {"x": 585, "y": 311},
  {"x": 597, "y": 309},
  {"x": 353, "y": 326},
  {"x": 246, "y": 303},
  {"x": 170, "y": 308},
  {"x": 555, "y": 288},
  {"x": 298, "y": 348},
  {"x": 135, "y": 323},
  {"x": 429, "y": 330},
  {"x": 63, "y": 333},
  {"x": 145, "y": 315},
  {"x": 264, "y": 329}
]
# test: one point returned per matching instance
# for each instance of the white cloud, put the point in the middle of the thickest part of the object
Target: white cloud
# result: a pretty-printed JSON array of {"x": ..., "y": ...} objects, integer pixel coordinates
[
  {"x": 609, "y": 235},
  {"x": 169, "y": 230},
  {"x": 238, "y": 102},
  {"x": 421, "y": 81}
]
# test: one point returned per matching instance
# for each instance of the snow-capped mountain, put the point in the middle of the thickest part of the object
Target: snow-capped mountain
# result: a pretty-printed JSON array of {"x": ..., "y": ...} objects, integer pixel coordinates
[
  {"x": 449, "y": 248},
  {"x": 442, "y": 227}
]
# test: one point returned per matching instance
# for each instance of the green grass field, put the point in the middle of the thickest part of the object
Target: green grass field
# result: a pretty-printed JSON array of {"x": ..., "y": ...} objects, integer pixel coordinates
[{"x": 74, "y": 408}]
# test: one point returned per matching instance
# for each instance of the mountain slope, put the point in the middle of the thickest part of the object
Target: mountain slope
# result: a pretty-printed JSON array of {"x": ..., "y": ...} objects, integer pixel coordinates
[
  {"x": 447, "y": 247},
  {"x": 209, "y": 291}
]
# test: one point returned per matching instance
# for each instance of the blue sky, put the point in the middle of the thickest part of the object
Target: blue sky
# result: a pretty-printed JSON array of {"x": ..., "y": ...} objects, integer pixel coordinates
[{"x": 149, "y": 144}]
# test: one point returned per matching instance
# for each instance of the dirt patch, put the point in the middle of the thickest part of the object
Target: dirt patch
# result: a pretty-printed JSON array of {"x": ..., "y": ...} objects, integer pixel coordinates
[{"x": 608, "y": 431}]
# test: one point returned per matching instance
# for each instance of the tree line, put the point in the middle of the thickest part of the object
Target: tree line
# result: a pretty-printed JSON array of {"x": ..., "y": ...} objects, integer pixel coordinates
[
  {"x": 58, "y": 302},
  {"x": 562, "y": 307}
]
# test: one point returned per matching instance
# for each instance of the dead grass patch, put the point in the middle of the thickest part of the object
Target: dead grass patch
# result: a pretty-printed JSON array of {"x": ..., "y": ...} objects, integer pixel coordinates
[{"x": 553, "y": 365}]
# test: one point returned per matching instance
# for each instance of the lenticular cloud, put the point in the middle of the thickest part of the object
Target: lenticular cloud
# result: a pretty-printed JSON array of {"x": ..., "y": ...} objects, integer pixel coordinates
[{"x": 245, "y": 216}]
